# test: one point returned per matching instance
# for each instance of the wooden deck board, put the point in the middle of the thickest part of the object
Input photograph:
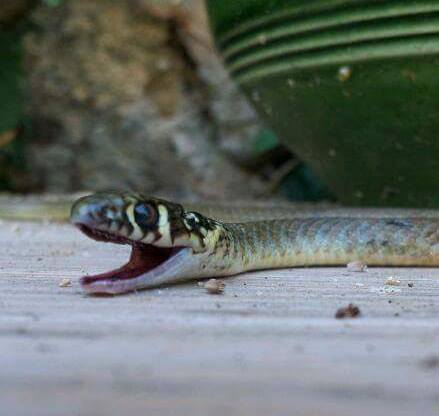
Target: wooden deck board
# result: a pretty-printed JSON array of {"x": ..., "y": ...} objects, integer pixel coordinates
[{"x": 269, "y": 345}]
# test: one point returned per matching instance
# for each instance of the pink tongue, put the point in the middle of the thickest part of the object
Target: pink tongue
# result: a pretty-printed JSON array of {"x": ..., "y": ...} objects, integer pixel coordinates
[{"x": 143, "y": 258}]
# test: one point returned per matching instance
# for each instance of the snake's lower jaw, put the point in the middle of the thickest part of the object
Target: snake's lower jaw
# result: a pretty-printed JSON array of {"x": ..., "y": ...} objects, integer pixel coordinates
[{"x": 148, "y": 267}]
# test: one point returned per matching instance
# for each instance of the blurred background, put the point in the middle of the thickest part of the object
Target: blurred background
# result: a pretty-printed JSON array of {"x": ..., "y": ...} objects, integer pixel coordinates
[{"x": 107, "y": 94}]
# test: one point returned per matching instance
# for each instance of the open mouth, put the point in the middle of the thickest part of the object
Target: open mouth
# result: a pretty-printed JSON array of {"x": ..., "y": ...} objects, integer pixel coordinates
[{"x": 146, "y": 262}]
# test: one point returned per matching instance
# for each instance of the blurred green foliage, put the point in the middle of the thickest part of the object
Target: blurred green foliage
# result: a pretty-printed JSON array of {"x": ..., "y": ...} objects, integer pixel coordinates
[
  {"x": 10, "y": 80},
  {"x": 299, "y": 184},
  {"x": 11, "y": 108}
]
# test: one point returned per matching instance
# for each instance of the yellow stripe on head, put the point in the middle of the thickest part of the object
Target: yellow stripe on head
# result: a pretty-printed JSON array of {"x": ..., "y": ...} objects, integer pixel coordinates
[{"x": 137, "y": 234}]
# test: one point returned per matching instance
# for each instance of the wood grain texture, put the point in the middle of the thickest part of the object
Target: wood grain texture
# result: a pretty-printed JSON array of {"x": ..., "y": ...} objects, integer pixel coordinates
[{"x": 269, "y": 345}]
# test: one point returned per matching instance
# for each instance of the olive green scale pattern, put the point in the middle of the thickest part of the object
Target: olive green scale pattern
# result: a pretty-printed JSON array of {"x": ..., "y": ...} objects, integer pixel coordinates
[{"x": 329, "y": 241}]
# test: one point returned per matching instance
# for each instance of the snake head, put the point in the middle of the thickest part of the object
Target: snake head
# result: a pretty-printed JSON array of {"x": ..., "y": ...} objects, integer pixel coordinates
[
  {"x": 136, "y": 219},
  {"x": 162, "y": 235}
]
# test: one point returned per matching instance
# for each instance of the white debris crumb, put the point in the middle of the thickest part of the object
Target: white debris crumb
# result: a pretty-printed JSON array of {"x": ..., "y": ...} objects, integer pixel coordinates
[
  {"x": 15, "y": 228},
  {"x": 359, "y": 284},
  {"x": 200, "y": 283},
  {"x": 356, "y": 266},
  {"x": 214, "y": 286},
  {"x": 344, "y": 73},
  {"x": 392, "y": 281},
  {"x": 65, "y": 283}
]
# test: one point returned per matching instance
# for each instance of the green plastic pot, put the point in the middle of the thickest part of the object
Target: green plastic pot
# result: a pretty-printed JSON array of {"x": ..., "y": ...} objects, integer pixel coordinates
[{"x": 350, "y": 86}]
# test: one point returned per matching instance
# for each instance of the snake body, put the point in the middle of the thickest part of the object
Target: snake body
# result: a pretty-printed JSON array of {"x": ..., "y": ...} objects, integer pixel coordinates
[{"x": 172, "y": 243}]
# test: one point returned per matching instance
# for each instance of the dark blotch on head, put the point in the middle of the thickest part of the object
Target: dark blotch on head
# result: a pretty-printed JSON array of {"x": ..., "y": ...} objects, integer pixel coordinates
[
  {"x": 193, "y": 221},
  {"x": 197, "y": 220}
]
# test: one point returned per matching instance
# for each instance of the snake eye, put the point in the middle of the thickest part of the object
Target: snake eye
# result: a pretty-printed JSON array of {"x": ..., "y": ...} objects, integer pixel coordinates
[{"x": 145, "y": 215}]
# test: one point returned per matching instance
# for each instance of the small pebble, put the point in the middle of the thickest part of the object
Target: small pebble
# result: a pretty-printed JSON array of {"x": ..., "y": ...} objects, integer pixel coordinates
[
  {"x": 410, "y": 284},
  {"x": 350, "y": 311},
  {"x": 214, "y": 286},
  {"x": 391, "y": 281},
  {"x": 430, "y": 362},
  {"x": 65, "y": 283},
  {"x": 356, "y": 266}
]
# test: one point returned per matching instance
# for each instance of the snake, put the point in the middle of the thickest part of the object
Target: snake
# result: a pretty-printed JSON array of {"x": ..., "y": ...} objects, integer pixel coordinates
[{"x": 172, "y": 243}]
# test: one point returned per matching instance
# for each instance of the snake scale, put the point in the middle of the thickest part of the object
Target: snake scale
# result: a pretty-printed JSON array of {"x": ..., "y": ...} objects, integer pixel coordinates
[{"x": 171, "y": 243}]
